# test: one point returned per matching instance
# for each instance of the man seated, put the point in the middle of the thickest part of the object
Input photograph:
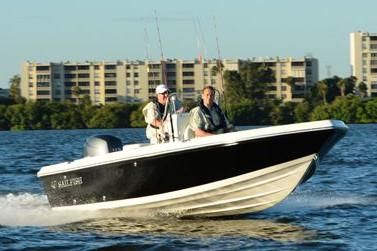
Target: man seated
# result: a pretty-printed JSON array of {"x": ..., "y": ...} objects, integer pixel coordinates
[{"x": 207, "y": 118}]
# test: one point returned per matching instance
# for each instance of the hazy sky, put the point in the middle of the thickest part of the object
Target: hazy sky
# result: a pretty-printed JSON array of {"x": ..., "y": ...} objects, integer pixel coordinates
[{"x": 80, "y": 30}]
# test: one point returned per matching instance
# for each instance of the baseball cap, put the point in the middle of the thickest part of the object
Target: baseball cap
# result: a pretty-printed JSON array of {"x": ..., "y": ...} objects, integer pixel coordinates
[{"x": 161, "y": 89}]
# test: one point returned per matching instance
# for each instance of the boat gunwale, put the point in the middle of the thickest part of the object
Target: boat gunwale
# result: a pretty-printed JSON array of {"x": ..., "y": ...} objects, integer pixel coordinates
[{"x": 225, "y": 140}]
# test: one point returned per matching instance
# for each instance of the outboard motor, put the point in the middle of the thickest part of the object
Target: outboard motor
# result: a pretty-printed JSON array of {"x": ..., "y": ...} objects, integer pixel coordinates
[{"x": 102, "y": 144}]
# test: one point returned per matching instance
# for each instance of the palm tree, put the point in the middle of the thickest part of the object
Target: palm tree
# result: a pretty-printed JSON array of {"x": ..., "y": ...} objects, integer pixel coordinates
[
  {"x": 15, "y": 91},
  {"x": 323, "y": 88},
  {"x": 362, "y": 88},
  {"x": 291, "y": 81},
  {"x": 76, "y": 91},
  {"x": 341, "y": 84}
]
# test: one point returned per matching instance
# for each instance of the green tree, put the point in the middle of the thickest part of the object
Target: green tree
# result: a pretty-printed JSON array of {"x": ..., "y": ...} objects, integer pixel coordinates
[
  {"x": 362, "y": 89},
  {"x": 302, "y": 111},
  {"x": 137, "y": 117},
  {"x": 341, "y": 84},
  {"x": 251, "y": 82},
  {"x": 370, "y": 111},
  {"x": 291, "y": 81},
  {"x": 111, "y": 116},
  {"x": 76, "y": 91},
  {"x": 37, "y": 115},
  {"x": 4, "y": 122},
  {"x": 345, "y": 109},
  {"x": 15, "y": 91},
  {"x": 323, "y": 89},
  {"x": 283, "y": 113},
  {"x": 17, "y": 117}
]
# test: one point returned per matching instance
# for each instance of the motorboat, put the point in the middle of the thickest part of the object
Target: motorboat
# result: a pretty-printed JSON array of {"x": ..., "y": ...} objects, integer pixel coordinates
[{"x": 234, "y": 173}]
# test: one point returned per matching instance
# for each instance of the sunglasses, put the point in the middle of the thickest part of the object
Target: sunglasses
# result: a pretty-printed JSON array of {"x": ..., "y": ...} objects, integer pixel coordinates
[{"x": 164, "y": 93}]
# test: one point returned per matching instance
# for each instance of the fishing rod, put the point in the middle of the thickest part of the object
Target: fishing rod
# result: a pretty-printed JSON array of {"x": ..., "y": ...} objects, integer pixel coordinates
[
  {"x": 219, "y": 65},
  {"x": 164, "y": 78}
]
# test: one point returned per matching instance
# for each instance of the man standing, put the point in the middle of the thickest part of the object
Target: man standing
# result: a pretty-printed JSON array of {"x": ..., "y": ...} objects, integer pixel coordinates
[{"x": 156, "y": 114}]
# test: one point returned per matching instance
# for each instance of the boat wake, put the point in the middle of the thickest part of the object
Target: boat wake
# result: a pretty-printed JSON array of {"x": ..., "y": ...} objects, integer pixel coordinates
[
  {"x": 304, "y": 201},
  {"x": 34, "y": 210}
]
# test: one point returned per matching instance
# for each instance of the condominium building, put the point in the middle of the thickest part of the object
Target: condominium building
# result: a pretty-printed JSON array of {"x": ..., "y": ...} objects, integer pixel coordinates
[
  {"x": 363, "y": 57},
  {"x": 135, "y": 81}
]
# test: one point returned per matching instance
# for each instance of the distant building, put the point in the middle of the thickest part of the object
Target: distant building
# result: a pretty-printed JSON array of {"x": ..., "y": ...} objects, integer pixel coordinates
[
  {"x": 4, "y": 93},
  {"x": 135, "y": 81},
  {"x": 363, "y": 57}
]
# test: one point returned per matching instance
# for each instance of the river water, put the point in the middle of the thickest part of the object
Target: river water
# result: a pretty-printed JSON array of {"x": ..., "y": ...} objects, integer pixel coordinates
[{"x": 335, "y": 210}]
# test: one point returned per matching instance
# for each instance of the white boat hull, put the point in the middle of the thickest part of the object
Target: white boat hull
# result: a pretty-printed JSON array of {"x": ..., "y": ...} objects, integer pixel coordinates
[{"x": 247, "y": 193}]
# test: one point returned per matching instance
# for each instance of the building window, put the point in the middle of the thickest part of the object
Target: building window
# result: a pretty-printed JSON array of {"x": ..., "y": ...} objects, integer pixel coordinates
[
  {"x": 153, "y": 82},
  {"x": 296, "y": 64},
  {"x": 185, "y": 90},
  {"x": 69, "y": 84},
  {"x": 188, "y": 65},
  {"x": 110, "y": 91},
  {"x": 188, "y": 74},
  {"x": 43, "y": 84},
  {"x": 69, "y": 76},
  {"x": 43, "y": 68},
  {"x": 69, "y": 67},
  {"x": 171, "y": 82},
  {"x": 83, "y": 75},
  {"x": 110, "y": 83},
  {"x": 42, "y": 92},
  {"x": 110, "y": 67},
  {"x": 188, "y": 81},
  {"x": 110, "y": 75},
  {"x": 83, "y": 67}
]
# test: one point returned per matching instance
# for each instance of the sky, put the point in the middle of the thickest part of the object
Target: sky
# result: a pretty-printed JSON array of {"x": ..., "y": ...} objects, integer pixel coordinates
[{"x": 95, "y": 30}]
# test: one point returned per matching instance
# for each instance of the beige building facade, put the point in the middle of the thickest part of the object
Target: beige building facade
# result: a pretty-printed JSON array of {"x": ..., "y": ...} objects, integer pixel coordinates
[
  {"x": 135, "y": 81},
  {"x": 363, "y": 57}
]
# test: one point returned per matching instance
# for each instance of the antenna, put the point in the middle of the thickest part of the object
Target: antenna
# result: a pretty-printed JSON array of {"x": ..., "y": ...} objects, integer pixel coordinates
[
  {"x": 162, "y": 61},
  {"x": 159, "y": 36},
  {"x": 198, "y": 47},
  {"x": 204, "y": 50},
  {"x": 217, "y": 39},
  {"x": 199, "y": 39},
  {"x": 219, "y": 61},
  {"x": 219, "y": 64}
]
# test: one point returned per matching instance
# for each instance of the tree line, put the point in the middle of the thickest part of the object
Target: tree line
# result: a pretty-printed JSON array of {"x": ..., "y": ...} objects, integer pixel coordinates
[{"x": 244, "y": 101}]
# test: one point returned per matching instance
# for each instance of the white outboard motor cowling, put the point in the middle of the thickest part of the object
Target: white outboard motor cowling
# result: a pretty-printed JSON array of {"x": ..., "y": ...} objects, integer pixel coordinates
[{"x": 101, "y": 144}]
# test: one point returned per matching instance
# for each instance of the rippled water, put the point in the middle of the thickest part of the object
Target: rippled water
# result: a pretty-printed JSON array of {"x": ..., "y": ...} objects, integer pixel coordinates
[{"x": 336, "y": 209}]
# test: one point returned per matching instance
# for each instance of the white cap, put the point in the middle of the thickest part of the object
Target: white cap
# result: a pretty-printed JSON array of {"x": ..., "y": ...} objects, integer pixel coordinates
[{"x": 161, "y": 89}]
